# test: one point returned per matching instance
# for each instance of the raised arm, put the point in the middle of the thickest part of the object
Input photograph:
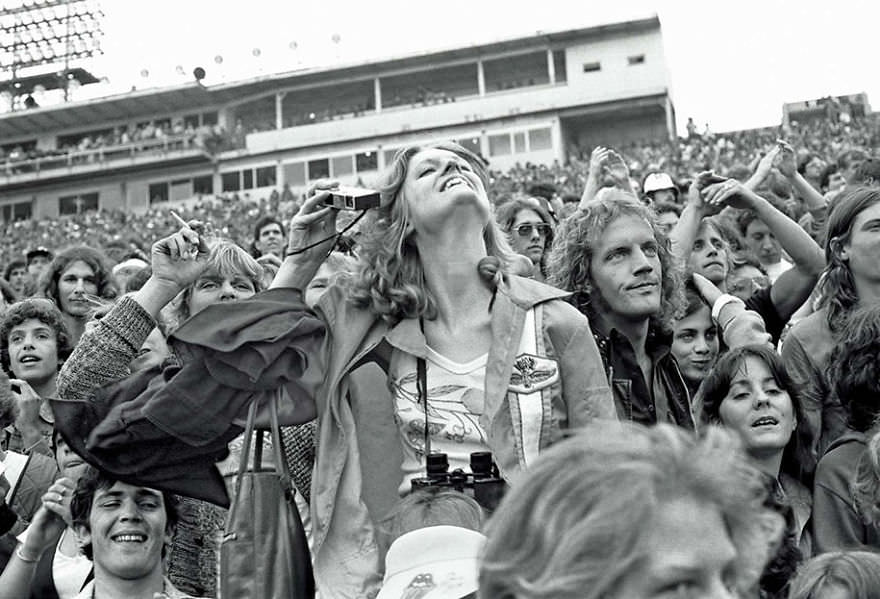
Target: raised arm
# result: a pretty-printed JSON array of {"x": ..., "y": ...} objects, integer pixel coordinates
[
  {"x": 793, "y": 287},
  {"x": 607, "y": 168},
  {"x": 108, "y": 346}
]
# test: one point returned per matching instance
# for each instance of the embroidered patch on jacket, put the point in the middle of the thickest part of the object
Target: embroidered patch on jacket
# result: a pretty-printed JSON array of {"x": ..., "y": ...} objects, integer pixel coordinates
[{"x": 532, "y": 373}]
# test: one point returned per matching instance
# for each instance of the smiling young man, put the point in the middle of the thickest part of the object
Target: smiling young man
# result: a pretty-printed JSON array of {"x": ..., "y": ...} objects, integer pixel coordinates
[
  {"x": 124, "y": 529},
  {"x": 34, "y": 342},
  {"x": 615, "y": 260}
]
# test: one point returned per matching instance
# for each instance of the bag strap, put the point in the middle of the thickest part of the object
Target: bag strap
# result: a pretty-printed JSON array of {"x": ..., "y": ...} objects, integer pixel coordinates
[
  {"x": 280, "y": 462},
  {"x": 242, "y": 464}
]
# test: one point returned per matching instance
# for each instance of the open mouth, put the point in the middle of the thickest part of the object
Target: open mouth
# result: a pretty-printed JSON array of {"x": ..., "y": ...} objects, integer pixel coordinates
[
  {"x": 453, "y": 182},
  {"x": 765, "y": 421},
  {"x": 29, "y": 360}
]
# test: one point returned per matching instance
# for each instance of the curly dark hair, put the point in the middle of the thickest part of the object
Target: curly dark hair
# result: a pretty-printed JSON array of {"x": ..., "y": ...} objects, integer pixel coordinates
[
  {"x": 94, "y": 480},
  {"x": 837, "y": 285},
  {"x": 854, "y": 368},
  {"x": 96, "y": 260},
  {"x": 43, "y": 310},
  {"x": 569, "y": 262},
  {"x": 797, "y": 458}
]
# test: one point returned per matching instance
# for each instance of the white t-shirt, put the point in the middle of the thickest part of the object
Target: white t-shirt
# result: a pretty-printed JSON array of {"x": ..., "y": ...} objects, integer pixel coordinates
[
  {"x": 455, "y": 402},
  {"x": 774, "y": 270},
  {"x": 69, "y": 573}
]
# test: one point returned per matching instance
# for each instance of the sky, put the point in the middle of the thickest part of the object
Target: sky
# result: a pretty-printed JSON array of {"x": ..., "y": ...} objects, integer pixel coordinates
[{"x": 731, "y": 64}]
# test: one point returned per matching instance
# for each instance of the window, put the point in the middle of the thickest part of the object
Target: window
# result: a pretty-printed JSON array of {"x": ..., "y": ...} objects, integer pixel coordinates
[
  {"x": 591, "y": 67},
  {"x": 18, "y": 211},
  {"x": 636, "y": 59},
  {"x": 230, "y": 181},
  {"x": 472, "y": 144},
  {"x": 266, "y": 176},
  {"x": 559, "y": 65},
  {"x": 158, "y": 192},
  {"x": 209, "y": 118},
  {"x": 343, "y": 165},
  {"x": 203, "y": 185},
  {"x": 519, "y": 142},
  {"x": 247, "y": 176},
  {"x": 295, "y": 174},
  {"x": 319, "y": 169},
  {"x": 366, "y": 161},
  {"x": 499, "y": 145},
  {"x": 540, "y": 139},
  {"x": 77, "y": 204}
]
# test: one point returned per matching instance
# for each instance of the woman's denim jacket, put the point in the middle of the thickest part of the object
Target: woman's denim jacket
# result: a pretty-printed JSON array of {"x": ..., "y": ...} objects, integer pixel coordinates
[{"x": 346, "y": 555}]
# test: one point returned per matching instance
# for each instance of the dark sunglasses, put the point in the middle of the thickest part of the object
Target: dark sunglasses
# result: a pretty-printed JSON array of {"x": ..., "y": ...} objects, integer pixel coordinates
[{"x": 527, "y": 229}]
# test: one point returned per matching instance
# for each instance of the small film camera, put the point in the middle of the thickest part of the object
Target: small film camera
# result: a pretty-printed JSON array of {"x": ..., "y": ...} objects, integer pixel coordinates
[
  {"x": 352, "y": 198},
  {"x": 483, "y": 479}
]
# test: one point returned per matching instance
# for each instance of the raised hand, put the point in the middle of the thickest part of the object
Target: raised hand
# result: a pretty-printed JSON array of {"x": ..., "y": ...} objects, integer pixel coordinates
[
  {"x": 728, "y": 193},
  {"x": 313, "y": 224},
  {"x": 787, "y": 161},
  {"x": 180, "y": 259},
  {"x": 51, "y": 518}
]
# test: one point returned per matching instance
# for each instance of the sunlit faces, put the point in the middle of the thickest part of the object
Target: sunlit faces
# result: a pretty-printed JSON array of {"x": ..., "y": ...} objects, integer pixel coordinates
[
  {"x": 862, "y": 251},
  {"x": 689, "y": 554},
  {"x": 762, "y": 243},
  {"x": 270, "y": 240},
  {"x": 528, "y": 235},
  {"x": 18, "y": 278},
  {"x": 212, "y": 288},
  {"x": 708, "y": 255},
  {"x": 758, "y": 408},
  {"x": 37, "y": 265},
  {"x": 626, "y": 268},
  {"x": 318, "y": 285},
  {"x": 695, "y": 344},
  {"x": 33, "y": 351},
  {"x": 441, "y": 186},
  {"x": 667, "y": 220},
  {"x": 127, "y": 530},
  {"x": 75, "y": 283},
  {"x": 69, "y": 463}
]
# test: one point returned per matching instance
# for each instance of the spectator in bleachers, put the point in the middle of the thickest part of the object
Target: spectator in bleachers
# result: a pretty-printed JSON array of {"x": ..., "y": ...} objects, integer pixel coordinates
[
  {"x": 530, "y": 229},
  {"x": 16, "y": 274},
  {"x": 668, "y": 214},
  {"x": 38, "y": 260},
  {"x": 659, "y": 187},
  {"x": 269, "y": 237},
  {"x": 78, "y": 280}
]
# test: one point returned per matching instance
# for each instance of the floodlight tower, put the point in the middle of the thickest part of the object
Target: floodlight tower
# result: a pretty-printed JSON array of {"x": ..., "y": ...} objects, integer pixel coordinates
[{"x": 51, "y": 34}]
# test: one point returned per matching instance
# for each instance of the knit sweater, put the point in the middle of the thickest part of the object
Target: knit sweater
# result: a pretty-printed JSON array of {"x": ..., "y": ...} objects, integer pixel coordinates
[{"x": 102, "y": 356}]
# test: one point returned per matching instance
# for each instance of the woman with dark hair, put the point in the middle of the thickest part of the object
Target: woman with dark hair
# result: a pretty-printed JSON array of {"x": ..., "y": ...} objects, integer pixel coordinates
[
  {"x": 854, "y": 368},
  {"x": 852, "y": 255},
  {"x": 530, "y": 230},
  {"x": 750, "y": 392},
  {"x": 695, "y": 339},
  {"x": 476, "y": 359},
  {"x": 73, "y": 280}
]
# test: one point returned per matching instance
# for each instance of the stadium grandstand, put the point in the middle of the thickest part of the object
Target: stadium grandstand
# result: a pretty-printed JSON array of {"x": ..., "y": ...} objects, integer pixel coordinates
[{"x": 523, "y": 100}]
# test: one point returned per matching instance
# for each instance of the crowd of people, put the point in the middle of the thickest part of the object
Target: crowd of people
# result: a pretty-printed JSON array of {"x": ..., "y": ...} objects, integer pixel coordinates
[{"x": 652, "y": 372}]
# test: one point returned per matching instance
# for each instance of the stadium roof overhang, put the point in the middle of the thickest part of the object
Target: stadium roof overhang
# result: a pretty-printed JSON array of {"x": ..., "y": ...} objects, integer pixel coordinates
[{"x": 194, "y": 96}]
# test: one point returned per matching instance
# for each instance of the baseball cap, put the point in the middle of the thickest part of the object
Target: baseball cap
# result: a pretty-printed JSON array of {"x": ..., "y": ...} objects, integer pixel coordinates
[
  {"x": 658, "y": 181},
  {"x": 38, "y": 251},
  {"x": 435, "y": 562}
]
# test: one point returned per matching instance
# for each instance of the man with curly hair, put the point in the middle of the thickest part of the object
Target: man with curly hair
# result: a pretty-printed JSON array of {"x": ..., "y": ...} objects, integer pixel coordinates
[{"x": 613, "y": 258}]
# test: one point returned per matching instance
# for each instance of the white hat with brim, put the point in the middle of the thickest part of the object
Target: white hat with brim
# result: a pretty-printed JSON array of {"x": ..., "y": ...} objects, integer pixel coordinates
[{"x": 436, "y": 562}]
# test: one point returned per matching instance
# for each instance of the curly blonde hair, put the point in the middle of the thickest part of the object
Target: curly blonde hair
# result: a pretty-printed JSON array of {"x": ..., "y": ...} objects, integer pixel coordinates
[
  {"x": 569, "y": 263},
  {"x": 390, "y": 281}
]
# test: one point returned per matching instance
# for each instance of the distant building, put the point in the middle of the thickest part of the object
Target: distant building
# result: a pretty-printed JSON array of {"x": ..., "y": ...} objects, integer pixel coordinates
[{"x": 517, "y": 100}]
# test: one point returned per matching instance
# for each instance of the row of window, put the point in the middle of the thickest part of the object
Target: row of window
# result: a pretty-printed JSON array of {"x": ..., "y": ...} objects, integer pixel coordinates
[
  {"x": 635, "y": 59},
  {"x": 520, "y": 142}
]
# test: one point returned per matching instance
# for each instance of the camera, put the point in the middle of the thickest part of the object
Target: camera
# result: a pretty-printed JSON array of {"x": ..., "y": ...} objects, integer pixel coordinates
[
  {"x": 352, "y": 198},
  {"x": 483, "y": 479}
]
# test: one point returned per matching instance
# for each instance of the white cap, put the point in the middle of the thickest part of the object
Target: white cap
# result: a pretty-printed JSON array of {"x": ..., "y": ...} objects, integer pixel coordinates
[
  {"x": 440, "y": 562},
  {"x": 131, "y": 262},
  {"x": 658, "y": 181}
]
